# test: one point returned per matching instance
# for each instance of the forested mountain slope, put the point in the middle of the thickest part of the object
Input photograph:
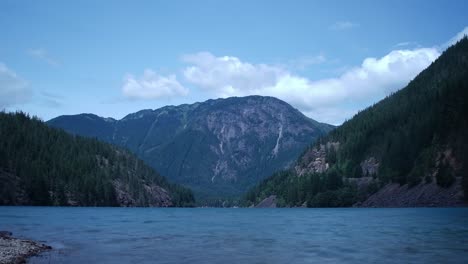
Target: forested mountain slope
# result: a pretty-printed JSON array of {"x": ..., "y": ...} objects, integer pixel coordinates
[
  {"x": 40, "y": 165},
  {"x": 219, "y": 148},
  {"x": 410, "y": 149}
]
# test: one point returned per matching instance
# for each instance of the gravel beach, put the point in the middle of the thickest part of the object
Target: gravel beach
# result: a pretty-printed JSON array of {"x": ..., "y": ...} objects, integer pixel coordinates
[{"x": 15, "y": 250}]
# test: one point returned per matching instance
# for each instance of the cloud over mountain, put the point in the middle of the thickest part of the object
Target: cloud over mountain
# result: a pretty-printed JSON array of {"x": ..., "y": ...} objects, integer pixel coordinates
[
  {"x": 327, "y": 99},
  {"x": 152, "y": 85},
  {"x": 330, "y": 100}
]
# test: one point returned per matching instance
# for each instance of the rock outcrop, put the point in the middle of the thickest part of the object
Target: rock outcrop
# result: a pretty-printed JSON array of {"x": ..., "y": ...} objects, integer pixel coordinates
[
  {"x": 314, "y": 160},
  {"x": 370, "y": 166},
  {"x": 269, "y": 202},
  {"x": 158, "y": 196}
]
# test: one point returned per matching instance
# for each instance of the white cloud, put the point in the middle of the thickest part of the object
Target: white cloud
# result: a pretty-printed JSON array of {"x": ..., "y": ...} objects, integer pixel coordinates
[
  {"x": 43, "y": 55},
  {"x": 343, "y": 25},
  {"x": 456, "y": 38},
  {"x": 229, "y": 76},
  {"x": 329, "y": 100},
  {"x": 152, "y": 86},
  {"x": 13, "y": 89}
]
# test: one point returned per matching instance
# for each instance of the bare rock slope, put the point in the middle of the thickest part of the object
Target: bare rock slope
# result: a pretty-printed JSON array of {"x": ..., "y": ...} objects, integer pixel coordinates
[{"x": 421, "y": 195}]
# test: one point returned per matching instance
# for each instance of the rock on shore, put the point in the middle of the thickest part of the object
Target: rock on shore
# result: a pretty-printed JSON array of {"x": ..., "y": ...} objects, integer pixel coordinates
[
  {"x": 14, "y": 250},
  {"x": 269, "y": 202}
]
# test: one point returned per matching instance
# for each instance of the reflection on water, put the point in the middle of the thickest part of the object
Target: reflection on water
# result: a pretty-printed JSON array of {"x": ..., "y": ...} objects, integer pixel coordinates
[{"x": 202, "y": 235}]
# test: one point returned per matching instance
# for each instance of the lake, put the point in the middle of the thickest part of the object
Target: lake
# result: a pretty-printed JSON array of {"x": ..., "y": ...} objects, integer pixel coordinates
[{"x": 216, "y": 235}]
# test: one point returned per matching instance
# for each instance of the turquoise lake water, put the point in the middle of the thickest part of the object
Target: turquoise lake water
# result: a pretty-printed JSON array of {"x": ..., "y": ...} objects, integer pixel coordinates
[{"x": 216, "y": 235}]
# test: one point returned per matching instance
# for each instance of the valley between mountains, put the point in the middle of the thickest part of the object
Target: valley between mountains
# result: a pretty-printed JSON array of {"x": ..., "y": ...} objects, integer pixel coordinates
[
  {"x": 219, "y": 148},
  {"x": 409, "y": 149}
]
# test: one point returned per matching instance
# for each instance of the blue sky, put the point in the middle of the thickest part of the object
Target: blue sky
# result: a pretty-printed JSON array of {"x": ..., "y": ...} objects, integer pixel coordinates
[{"x": 329, "y": 59}]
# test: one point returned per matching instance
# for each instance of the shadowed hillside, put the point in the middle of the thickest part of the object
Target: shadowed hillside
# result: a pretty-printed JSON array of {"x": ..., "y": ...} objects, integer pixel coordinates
[
  {"x": 40, "y": 165},
  {"x": 409, "y": 149}
]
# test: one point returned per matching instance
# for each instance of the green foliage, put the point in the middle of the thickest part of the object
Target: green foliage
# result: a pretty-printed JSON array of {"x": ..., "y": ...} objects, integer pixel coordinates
[
  {"x": 50, "y": 167},
  {"x": 405, "y": 132},
  {"x": 343, "y": 197},
  {"x": 333, "y": 179},
  {"x": 444, "y": 175},
  {"x": 464, "y": 172},
  {"x": 312, "y": 189},
  {"x": 414, "y": 177},
  {"x": 331, "y": 156},
  {"x": 406, "y": 129}
]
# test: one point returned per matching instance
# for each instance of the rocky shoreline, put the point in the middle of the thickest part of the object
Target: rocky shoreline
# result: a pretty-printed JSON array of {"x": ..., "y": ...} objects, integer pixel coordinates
[
  {"x": 421, "y": 195},
  {"x": 15, "y": 250}
]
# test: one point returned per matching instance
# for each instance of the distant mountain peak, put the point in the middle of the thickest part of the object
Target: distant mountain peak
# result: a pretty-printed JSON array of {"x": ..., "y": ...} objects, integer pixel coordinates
[{"x": 219, "y": 147}]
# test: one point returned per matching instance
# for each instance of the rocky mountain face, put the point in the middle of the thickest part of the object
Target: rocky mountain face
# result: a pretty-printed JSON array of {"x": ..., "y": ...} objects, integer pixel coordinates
[{"x": 219, "y": 148}]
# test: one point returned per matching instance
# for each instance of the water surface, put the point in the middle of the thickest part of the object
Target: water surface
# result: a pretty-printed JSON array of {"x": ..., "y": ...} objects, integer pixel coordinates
[{"x": 215, "y": 235}]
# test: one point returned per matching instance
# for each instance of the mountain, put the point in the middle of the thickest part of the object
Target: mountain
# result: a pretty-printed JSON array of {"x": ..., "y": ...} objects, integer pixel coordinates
[
  {"x": 219, "y": 148},
  {"x": 410, "y": 149},
  {"x": 40, "y": 165}
]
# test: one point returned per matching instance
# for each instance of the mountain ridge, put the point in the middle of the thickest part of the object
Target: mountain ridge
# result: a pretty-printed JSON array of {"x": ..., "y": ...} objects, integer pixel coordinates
[
  {"x": 219, "y": 147},
  {"x": 410, "y": 145}
]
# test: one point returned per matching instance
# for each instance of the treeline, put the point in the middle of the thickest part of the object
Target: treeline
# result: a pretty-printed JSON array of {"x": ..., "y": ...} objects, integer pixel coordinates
[
  {"x": 40, "y": 165},
  {"x": 411, "y": 131},
  {"x": 414, "y": 134},
  {"x": 311, "y": 190},
  {"x": 407, "y": 130}
]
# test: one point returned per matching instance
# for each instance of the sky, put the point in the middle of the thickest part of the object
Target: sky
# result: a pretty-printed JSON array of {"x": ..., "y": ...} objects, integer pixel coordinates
[{"x": 329, "y": 59}]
